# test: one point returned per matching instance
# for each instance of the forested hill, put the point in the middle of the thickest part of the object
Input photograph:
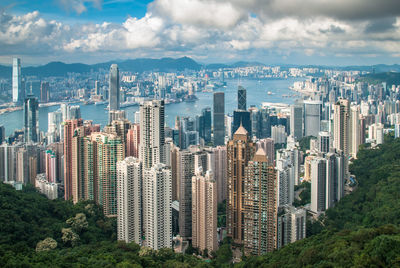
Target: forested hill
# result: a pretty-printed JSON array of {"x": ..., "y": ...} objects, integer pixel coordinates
[{"x": 363, "y": 230}]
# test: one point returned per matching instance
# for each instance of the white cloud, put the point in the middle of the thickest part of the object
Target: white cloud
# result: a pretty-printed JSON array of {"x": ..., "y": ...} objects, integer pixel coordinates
[
  {"x": 207, "y": 13},
  {"x": 205, "y": 29},
  {"x": 79, "y": 6}
]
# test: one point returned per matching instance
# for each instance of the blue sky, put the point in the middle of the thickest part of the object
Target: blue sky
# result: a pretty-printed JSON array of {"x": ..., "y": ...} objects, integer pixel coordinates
[
  {"x": 111, "y": 10},
  {"x": 340, "y": 32}
]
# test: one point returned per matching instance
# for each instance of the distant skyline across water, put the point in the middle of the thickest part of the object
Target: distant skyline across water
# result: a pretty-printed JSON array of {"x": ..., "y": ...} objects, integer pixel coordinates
[{"x": 257, "y": 93}]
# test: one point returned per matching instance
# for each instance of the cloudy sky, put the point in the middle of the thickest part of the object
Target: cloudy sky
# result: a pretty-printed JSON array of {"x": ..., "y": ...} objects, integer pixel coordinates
[{"x": 329, "y": 32}]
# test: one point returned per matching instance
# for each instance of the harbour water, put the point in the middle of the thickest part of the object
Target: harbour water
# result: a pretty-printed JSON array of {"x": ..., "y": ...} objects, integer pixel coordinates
[{"x": 257, "y": 93}]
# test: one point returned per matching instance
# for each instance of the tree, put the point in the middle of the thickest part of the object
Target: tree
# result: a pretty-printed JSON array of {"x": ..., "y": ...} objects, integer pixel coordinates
[
  {"x": 46, "y": 244},
  {"x": 69, "y": 236}
]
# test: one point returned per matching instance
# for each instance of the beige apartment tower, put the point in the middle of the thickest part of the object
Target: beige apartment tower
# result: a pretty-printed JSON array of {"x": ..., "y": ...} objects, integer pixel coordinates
[
  {"x": 240, "y": 151},
  {"x": 204, "y": 212},
  {"x": 260, "y": 205}
]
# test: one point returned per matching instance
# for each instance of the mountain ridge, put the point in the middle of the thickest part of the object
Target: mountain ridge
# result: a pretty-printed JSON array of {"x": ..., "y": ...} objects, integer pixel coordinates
[{"x": 139, "y": 65}]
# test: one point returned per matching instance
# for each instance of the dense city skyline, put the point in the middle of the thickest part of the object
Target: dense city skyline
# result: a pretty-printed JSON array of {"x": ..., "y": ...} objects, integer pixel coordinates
[
  {"x": 166, "y": 160},
  {"x": 273, "y": 32}
]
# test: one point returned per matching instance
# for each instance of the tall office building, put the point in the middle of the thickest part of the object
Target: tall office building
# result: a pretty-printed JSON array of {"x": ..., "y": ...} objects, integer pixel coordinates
[
  {"x": 152, "y": 137},
  {"x": 240, "y": 151},
  {"x": 185, "y": 172},
  {"x": 324, "y": 141},
  {"x": 242, "y": 100},
  {"x": 44, "y": 92},
  {"x": 278, "y": 134},
  {"x": 73, "y": 112},
  {"x": 204, "y": 127},
  {"x": 157, "y": 212},
  {"x": 2, "y": 134},
  {"x": 97, "y": 88},
  {"x": 17, "y": 91},
  {"x": 296, "y": 121},
  {"x": 54, "y": 127},
  {"x": 217, "y": 163},
  {"x": 341, "y": 130},
  {"x": 204, "y": 212},
  {"x": 312, "y": 117},
  {"x": 260, "y": 205},
  {"x": 114, "y": 88},
  {"x": 129, "y": 200},
  {"x": 31, "y": 119},
  {"x": 219, "y": 118},
  {"x": 241, "y": 117}
]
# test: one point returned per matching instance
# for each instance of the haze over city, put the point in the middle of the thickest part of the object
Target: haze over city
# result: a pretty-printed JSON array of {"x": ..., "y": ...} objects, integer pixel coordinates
[{"x": 358, "y": 32}]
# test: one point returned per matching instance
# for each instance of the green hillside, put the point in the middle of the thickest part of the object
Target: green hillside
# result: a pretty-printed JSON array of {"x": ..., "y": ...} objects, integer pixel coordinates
[
  {"x": 391, "y": 78},
  {"x": 363, "y": 230}
]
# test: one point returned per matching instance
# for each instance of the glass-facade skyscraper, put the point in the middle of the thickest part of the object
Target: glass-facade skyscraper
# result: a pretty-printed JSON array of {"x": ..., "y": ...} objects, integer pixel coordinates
[
  {"x": 242, "y": 99},
  {"x": 31, "y": 119},
  {"x": 17, "y": 92},
  {"x": 219, "y": 118},
  {"x": 114, "y": 88}
]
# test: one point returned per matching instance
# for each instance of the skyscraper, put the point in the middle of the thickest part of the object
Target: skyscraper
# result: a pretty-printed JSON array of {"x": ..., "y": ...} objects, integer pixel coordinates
[
  {"x": 129, "y": 200},
  {"x": 69, "y": 130},
  {"x": 2, "y": 134},
  {"x": 324, "y": 141},
  {"x": 97, "y": 88},
  {"x": 157, "y": 212},
  {"x": 114, "y": 88},
  {"x": 341, "y": 129},
  {"x": 285, "y": 180},
  {"x": 185, "y": 172},
  {"x": 240, "y": 151},
  {"x": 109, "y": 149},
  {"x": 355, "y": 131},
  {"x": 152, "y": 139},
  {"x": 318, "y": 184},
  {"x": 241, "y": 117},
  {"x": 291, "y": 225},
  {"x": 53, "y": 129},
  {"x": 312, "y": 117},
  {"x": 219, "y": 118},
  {"x": 296, "y": 121},
  {"x": 268, "y": 146},
  {"x": 133, "y": 140},
  {"x": 204, "y": 211},
  {"x": 260, "y": 205},
  {"x": 218, "y": 166},
  {"x": 44, "y": 92},
  {"x": 17, "y": 91},
  {"x": 204, "y": 127},
  {"x": 242, "y": 101},
  {"x": 31, "y": 119}
]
